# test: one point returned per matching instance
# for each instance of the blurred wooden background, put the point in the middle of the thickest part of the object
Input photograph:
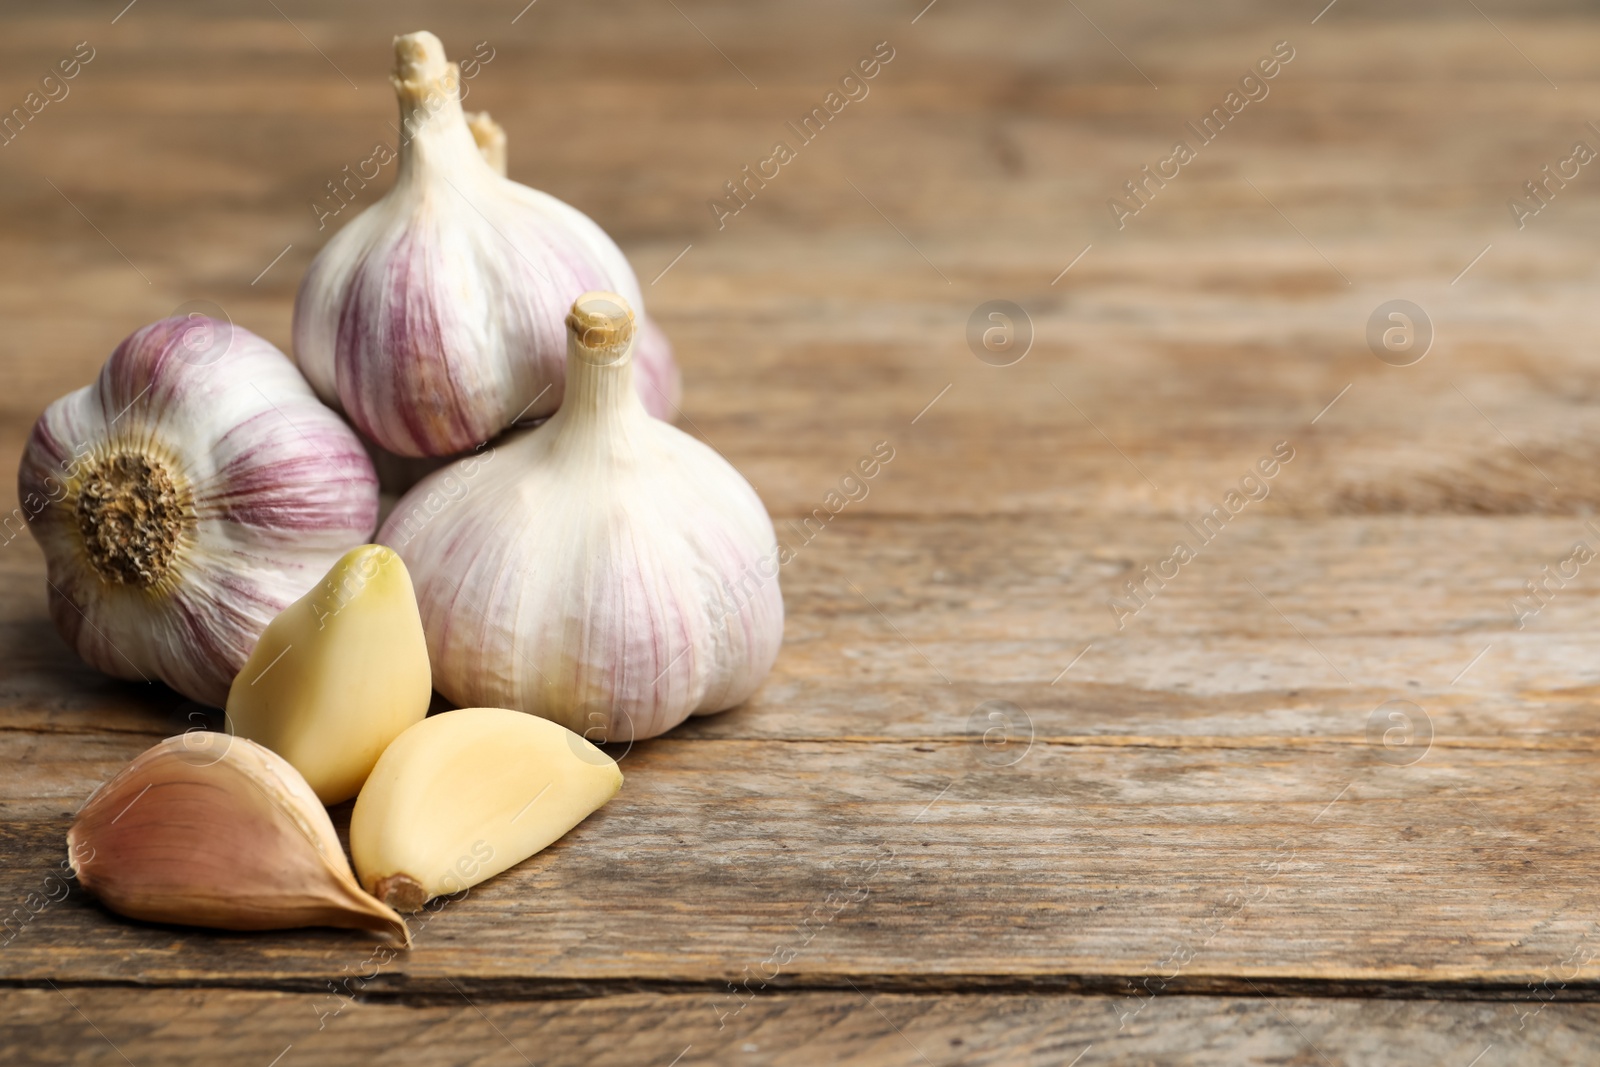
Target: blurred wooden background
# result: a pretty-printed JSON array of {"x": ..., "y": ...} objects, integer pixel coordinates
[{"x": 1196, "y": 847}]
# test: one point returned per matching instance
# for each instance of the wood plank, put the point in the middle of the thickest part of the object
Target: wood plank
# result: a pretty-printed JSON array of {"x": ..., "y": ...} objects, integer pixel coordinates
[
  {"x": 180, "y": 1027},
  {"x": 919, "y": 865},
  {"x": 996, "y": 608},
  {"x": 1141, "y": 844}
]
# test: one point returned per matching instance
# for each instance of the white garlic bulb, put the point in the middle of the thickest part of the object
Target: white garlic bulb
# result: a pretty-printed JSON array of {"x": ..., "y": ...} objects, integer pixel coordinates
[
  {"x": 433, "y": 320},
  {"x": 604, "y": 570},
  {"x": 194, "y": 491}
]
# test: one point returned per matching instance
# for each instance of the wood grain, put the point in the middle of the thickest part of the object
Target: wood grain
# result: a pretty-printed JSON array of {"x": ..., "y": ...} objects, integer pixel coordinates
[
  {"x": 912, "y": 865},
  {"x": 1193, "y": 844},
  {"x": 180, "y": 1027}
]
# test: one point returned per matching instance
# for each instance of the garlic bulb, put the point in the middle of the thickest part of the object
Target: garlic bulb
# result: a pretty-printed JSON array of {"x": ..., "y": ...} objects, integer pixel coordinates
[
  {"x": 605, "y": 570},
  {"x": 338, "y": 675},
  {"x": 185, "y": 498},
  {"x": 433, "y": 320},
  {"x": 205, "y": 829},
  {"x": 462, "y": 796}
]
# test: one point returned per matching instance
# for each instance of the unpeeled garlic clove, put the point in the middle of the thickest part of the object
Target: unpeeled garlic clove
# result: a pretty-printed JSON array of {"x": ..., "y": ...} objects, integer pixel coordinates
[
  {"x": 338, "y": 674},
  {"x": 462, "y": 796},
  {"x": 205, "y": 829},
  {"x": 433, "y": 319},
  {"x": 606, "y": 570}
]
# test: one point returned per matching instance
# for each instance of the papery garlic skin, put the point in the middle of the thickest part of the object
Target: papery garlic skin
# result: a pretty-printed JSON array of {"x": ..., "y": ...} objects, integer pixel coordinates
[
  {"x": 338, "y": 675},
  {"x": 605, "y": 570},
  {"x": 462, "y": 796},
  {"x": 205, "y": 829},
  {"x": 433, "y": 319},
  {"x": 194, "y": 491}
]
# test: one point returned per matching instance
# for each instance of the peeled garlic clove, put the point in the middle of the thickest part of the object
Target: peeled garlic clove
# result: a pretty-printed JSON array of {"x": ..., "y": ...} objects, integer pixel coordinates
[
  {"x": 185, "y": 498},
  {"x": 490, "y": 137},
  {"x": 338, "y": 674},
  {"x": 606, "y": 570},
  {"x": 462, "y": 796},
  {"x": 433, "y": 319},
  {"x": 205, "y": 829}
]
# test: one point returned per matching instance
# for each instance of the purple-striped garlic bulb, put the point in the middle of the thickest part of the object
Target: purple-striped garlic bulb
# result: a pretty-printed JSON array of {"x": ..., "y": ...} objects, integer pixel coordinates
[
  {"x": 194, "y": 491},
  {"x": 434, "y": 319},
  {"x": 605, "y": 570}
]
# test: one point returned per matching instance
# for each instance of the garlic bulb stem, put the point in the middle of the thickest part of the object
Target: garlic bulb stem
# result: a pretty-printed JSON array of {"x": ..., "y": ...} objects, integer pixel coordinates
[
  {"x": 490, "y": 137},
  {"x": 600, "y": 336},
  {"x": 429, "y": 91}
]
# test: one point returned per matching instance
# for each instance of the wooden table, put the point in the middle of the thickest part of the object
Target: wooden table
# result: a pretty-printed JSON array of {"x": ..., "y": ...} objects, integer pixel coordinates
[{"x": 1199, "y": 836}]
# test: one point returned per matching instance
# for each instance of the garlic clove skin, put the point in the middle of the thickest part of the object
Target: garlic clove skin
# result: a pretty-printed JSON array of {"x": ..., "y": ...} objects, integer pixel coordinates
[
  {"x": 338, "y": 675},
  {"x": 605, "y": 570},
  {"x": 205, "y": 829},
  {"x": 490, "y": 137},
  {"x": 464, "y": 795},
  {"x": 190, "y": 494},
  {"x": 434, "y": 318}
]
